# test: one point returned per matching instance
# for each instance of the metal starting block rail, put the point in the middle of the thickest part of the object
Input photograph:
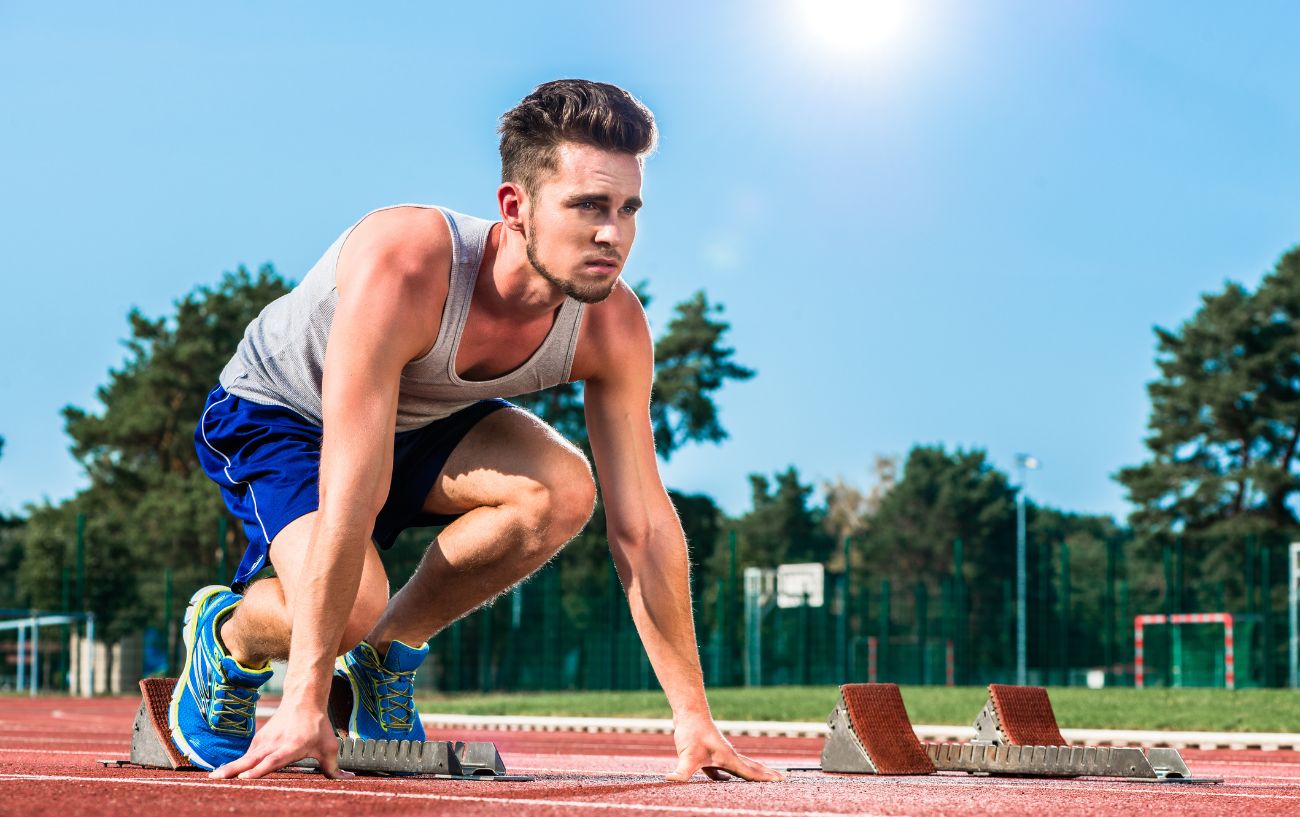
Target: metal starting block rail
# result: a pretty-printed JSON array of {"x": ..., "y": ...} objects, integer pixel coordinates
[
  {"x": 152, "y": 748},
  {"x": 1015, "y": 735}
]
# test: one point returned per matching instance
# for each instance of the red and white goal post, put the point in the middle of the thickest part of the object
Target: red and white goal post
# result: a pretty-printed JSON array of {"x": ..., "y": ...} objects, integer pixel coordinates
[{"x": 1229, "y": 661}]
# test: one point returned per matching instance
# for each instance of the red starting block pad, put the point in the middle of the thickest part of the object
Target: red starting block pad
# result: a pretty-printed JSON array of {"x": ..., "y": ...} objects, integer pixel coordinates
[
  {"x": 1017, "y": 716},
  {"x": 1016, "y": 736},
  {"x": 152, "y": 747},
  {"x": 871, "y": 734}
]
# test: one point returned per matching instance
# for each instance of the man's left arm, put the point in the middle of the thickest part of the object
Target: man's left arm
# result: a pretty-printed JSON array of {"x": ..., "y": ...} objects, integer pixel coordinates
[{"x": 649, "y": 549}]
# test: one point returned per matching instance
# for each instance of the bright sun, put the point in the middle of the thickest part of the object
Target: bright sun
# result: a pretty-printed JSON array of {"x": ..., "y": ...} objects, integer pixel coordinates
[{"x": 858, "y": 28}]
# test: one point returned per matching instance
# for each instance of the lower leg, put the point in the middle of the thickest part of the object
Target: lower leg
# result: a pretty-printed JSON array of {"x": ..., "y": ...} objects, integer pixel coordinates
[
  {"x": 477, "y": 557},
  {"x": 257, "y": 630}
]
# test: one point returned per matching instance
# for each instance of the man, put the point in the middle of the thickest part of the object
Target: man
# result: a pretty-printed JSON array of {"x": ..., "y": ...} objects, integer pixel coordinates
[{"x": 367, "y": 400}]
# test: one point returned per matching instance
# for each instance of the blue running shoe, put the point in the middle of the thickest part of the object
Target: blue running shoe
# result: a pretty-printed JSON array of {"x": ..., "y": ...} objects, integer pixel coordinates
[
  {"x": 383, "y": 704},
  {"x": 215, "y": 700}
]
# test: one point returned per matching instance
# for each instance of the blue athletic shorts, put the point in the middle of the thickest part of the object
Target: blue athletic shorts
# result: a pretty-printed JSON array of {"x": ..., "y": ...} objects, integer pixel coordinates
[{"x": 267, "y": 461}]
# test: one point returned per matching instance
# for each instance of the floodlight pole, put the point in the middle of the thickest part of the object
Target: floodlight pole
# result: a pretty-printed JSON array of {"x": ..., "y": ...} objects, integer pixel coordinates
[{"x": 1024, "y": 462}]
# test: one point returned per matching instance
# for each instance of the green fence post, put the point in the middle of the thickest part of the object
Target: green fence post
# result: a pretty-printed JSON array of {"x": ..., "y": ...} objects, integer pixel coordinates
[
  {"x": 947, "y": 620},
  {"x": 1108, "y": 612},
  {"x": 1125, "y": 617},
  {"x": 959, "y": 610},
  {"x": 1249, "y": 580},
  {"x": 719, "y": 629},
  {"x": 732, "y": 614},
  {"x": 1266, "y": 611},
  {"x": 456, "y": 678},
  {"x": 842, "y": 620},
  {"x": 1172, "y": 668},
  {"x": 1180, "y": 578},
  {"x": 1065, "y": 613},
  {"x": 882, "y": 637},
  {"x": 1045, "y": 609},
  {"x": 81, "y": 562},
  {"x": 1008, "y": 640},
  {"x": 167, "y": 619},
  {"x": 922, "y": 596},
  {"x": 485, "y": 649},
  {"x": 805, "y": 646}
]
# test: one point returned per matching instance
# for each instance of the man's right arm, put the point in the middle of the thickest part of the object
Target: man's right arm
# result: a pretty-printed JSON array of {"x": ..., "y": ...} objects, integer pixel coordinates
[{"x": 387, "y": 286}]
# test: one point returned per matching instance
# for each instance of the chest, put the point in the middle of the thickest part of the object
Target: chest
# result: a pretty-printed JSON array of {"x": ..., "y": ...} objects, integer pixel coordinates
[{"x": 491, "y": 347}]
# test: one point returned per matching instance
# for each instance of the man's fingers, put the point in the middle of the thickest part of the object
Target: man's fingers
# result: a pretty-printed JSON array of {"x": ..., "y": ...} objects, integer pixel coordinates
[
  {"x": 717, "y": 773},
  {"x": 268, "y": 764},
  {"x": 234, "y": 767},
  {"x": 753, "y": 770},
  {"x": 329, "y": 766},
  {"x": 686, "y": 766}
]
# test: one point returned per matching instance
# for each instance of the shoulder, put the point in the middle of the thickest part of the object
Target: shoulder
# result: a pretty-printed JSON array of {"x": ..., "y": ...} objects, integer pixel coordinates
[
  {"x": 410, "y": 244},
  {"x": 615, "y": 336}
]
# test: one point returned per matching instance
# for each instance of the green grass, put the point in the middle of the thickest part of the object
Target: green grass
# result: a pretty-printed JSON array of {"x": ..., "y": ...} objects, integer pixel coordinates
[{"x": 1216, "y": 710}]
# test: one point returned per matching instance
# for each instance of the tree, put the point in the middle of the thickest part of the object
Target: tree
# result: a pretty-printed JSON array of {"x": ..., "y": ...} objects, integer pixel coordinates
[
  {"x": 782, "y": 526},
  {"x": 1224, "y": 427},
  {"x": 943, "y": 497},
  {"x": 149, "y": 506},
  {"x": 691, "y": 366},
  {"x": 849, "y": 511}
]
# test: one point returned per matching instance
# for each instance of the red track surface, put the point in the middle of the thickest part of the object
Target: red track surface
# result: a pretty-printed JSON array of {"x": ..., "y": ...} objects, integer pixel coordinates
[{"x": 48, "y": 749}]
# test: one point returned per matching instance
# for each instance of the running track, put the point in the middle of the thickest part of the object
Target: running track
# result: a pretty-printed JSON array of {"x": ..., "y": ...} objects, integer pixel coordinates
[{"x": 48, "y": 749}]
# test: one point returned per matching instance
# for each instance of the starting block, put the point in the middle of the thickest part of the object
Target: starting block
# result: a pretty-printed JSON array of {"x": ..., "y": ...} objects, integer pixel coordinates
[
  {"x": 871, "y": 734},
  {"x": 152, "y": 748},
  {"x": 1016, "y": 734}
]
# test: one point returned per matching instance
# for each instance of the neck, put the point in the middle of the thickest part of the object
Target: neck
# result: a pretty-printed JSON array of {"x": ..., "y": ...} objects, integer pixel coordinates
[{"x": 508, "y": 285}]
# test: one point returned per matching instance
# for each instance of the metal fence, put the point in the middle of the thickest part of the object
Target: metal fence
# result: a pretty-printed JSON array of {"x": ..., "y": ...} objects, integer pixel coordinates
[{"x": 866, "y": 629}]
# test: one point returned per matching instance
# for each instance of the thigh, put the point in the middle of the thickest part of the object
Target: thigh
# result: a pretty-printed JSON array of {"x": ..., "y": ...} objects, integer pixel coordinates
[
  {"x": 508, "y": 453},
  {"x": 289, "y": 553}
]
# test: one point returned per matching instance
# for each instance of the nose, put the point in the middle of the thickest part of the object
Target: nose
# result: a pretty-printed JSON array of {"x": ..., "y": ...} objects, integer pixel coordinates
[{"x": 609, "y": 234}]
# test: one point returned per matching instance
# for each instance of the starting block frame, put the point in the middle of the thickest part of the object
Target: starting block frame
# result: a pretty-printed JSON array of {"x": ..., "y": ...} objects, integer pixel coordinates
[
  {"x": 152, "y": 748},
  {"x": 870, "y": 733}
]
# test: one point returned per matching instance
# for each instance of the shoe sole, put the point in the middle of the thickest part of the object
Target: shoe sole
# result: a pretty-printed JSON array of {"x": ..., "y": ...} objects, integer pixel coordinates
[{"x": 189, "y": 632}]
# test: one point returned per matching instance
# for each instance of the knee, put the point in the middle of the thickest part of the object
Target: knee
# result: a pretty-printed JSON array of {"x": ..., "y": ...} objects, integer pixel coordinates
[{"x": 557, "y": 507}]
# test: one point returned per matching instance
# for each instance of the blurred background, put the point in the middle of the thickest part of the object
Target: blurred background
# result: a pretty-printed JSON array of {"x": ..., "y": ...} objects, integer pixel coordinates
[{"x": 982, "y": 318}]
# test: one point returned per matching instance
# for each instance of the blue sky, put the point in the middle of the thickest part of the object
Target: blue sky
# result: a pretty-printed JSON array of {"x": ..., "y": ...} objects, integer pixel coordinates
[{"x": 954, "y": 225}]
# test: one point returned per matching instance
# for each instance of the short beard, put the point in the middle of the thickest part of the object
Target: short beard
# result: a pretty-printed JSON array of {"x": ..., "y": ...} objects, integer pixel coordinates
[{"x": 592, "y": 294}]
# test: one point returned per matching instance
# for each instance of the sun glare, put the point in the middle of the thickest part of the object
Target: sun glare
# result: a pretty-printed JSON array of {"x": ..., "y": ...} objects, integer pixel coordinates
[{"x": 858, "y": 28}]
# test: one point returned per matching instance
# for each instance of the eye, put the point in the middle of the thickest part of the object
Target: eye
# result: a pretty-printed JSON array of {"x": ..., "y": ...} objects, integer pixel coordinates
[{"x": 587, "y": 205}]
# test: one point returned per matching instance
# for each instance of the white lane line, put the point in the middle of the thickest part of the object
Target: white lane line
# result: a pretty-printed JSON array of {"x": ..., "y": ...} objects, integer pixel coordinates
[
  {"x": 446, "y": 798},
  {"x": 38, "y": 739},
  {"x": 61, "y": 752},
  {"x": 1084, "y": 786},
  {"x": 1269, "y": 763}
]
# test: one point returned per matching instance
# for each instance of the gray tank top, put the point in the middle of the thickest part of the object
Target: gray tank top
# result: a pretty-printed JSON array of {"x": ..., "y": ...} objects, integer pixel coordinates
[{"x": 282, "y": 355}]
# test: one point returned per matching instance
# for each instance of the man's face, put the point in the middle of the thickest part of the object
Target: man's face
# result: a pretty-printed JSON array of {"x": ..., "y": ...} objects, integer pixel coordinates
[{"x": 582, "y": 220}]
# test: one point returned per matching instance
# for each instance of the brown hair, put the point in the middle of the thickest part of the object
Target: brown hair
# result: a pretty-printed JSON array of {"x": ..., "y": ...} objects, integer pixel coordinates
[{"x": 571, "y": 110}]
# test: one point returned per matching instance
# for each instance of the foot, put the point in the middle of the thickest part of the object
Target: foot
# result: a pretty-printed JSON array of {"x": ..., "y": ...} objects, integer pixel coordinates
[
  {"x": 214, "y": 703},
  {"x": 383, "y": 704}
]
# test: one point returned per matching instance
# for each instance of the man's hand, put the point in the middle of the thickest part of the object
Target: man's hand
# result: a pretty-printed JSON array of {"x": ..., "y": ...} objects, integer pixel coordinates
[
  {"x": 701, "y": 746},
  {"x": 292, "y": 733}
]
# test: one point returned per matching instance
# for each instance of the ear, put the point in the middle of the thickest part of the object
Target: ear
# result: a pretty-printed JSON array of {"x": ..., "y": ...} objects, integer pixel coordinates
[{"x": 513, "y": 203}]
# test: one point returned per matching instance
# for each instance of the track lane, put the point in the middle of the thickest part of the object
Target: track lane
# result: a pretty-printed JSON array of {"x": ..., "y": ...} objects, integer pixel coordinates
[{"x": 47, "y": 753}]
